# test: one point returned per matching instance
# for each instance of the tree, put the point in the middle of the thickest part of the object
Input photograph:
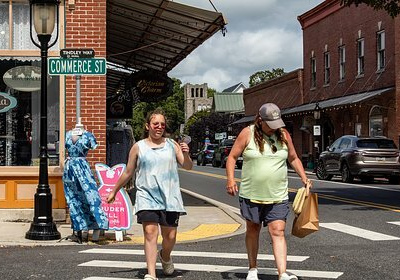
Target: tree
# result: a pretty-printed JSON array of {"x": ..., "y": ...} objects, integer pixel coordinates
[
  {"x": 390, "y": 6},
  {"x": 266, "y": 75},
  {"x": 211, "y": 92}
]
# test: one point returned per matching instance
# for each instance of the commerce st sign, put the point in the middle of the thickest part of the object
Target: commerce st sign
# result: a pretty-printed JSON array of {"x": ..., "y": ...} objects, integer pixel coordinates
[{"x": 77, "y": 66}]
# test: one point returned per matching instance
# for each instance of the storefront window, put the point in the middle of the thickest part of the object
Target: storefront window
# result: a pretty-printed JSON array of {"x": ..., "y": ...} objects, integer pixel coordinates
[
  {"x": 4, "y": 26},
  {"x": 376, "y": 122},
  {"x": 20, "y": 115},
  {"x": 20, "y": 31}
]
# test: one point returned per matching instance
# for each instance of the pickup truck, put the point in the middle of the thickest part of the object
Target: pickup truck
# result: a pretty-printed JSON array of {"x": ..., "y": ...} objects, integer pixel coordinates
[{"x": 221, "y": 153}]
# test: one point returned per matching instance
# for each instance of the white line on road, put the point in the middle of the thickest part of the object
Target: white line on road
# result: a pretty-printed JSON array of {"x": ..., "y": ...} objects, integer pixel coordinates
[
  {"x": 109, "y": 278},
  {"x": 194, "y": 254},
  {"x": 394, "y": 223},
  {"x": 359, "y": 232},
  {"x": 214, "y": 268}
]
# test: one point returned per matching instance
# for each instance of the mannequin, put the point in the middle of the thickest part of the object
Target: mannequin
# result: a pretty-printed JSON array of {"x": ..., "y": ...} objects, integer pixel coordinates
[{"x": 80, "y": 186}]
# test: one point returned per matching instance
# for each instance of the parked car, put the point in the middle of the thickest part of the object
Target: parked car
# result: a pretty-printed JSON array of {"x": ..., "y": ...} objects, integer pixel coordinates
[
  {"x": 221, "y": 153},
  {"x": 205, "y": 155},
  {"x": 363, "y": 157}
]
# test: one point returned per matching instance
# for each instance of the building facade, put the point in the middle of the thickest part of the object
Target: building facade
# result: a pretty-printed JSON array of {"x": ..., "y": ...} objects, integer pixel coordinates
[
  {"x": 349, "y": 83},
  {"x": 196, "y": 99}
]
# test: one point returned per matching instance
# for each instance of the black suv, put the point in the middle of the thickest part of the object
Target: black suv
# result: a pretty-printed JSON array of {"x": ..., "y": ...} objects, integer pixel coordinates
[
  {"x": 363, "y": 157},
  {"x": 221, "y": 153}
]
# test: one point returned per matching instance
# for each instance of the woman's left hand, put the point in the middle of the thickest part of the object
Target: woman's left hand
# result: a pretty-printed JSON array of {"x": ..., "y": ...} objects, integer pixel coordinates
[
  {"x": 184, "y": 147},
  {"x": 308, "y": 185}
]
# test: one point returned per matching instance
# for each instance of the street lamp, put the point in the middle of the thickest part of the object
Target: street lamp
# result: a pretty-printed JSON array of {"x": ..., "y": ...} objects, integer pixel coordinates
[
  {"x": 317, "y": 133},
  {"x": 43, "y": 14}
]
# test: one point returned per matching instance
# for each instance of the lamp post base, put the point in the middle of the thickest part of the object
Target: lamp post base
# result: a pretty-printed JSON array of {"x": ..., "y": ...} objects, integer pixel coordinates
[{"x": 43, "y": 231}]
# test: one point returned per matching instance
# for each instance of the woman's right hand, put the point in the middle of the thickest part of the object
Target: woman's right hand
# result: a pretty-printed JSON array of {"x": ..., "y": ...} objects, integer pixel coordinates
[
  {"x": 231, "y": 187},
  {"x": 111, "y": 197}
]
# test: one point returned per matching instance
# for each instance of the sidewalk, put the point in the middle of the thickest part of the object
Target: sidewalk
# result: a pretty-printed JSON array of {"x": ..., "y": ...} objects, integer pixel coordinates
[{"x": 205, "y": 220}]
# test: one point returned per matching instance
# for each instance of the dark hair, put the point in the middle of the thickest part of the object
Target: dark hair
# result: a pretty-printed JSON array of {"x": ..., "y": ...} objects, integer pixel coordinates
[
  {"x": 259, "y": 134},
  {"x": 157, "y": 111}
]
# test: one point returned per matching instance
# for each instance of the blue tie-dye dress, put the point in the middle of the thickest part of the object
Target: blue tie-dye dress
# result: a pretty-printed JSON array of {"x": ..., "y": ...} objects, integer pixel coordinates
[
  {"x": 80, "y": 186},
  {"x": 157, "y": 179}
]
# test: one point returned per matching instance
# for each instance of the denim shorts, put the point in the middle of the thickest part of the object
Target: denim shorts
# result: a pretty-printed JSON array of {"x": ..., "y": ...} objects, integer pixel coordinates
[
  {"x": 263, "y": 213},
  {"x": 161, "y": 217}
]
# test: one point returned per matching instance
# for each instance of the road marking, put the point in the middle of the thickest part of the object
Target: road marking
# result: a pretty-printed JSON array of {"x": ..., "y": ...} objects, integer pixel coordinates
[
  {"x": 194, "y": 254},
  {"x": 359, "y": 232},
  {"x": 394, "y": 223},
  {"x": 109, "y": 278},
  {"x": 214, "y": 268}
]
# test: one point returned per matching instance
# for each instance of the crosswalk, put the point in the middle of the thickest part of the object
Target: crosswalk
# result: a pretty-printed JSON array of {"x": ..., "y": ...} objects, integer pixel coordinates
[
  {"x": 317, "y": 274},
  {"x": 213, "y": 257}
]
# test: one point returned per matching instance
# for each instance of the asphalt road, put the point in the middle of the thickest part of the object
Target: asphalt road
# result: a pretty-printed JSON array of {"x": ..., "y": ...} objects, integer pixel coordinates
[{"x": 359, "y": 238}]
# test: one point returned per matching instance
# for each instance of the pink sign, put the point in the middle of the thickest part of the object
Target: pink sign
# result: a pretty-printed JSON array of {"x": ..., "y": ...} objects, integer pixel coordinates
[{"x": 119, "y": 212}]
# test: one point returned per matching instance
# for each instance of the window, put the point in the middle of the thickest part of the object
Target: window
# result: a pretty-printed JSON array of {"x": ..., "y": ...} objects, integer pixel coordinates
[
  {"x": 327, "y": 68},
  {"x": 313, "y": 64},
  {"x": 201, "y": 92},
  {"x": 17, "y": 36},
  {"x": 197, "y": 92},
  {"x": 192, "y": 90},
  {"x": 342, "y": 62},
  {"x": 360, "y": 56},
  {"x": 381, "y": 50},
  {"x": 19, "y": 123},
  {"x": 376, "y": 122}
]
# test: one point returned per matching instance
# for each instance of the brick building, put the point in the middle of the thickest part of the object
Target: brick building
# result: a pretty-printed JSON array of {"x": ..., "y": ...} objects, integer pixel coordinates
[
  {"x": 350, "y": 66},
  {"x": 133, "y": 35}
]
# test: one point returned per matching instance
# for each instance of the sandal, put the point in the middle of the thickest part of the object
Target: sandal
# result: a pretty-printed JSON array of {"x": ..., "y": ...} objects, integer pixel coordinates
[
  {"x": 168, "y": 267},
  {"x": 149, "y": 277}
]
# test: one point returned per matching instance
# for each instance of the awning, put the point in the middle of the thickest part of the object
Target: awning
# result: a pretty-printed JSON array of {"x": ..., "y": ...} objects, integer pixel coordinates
[
  {"x": 245, "y": 119},
  {"x": 338, "y": 101},
  {"x": 154, "y": 34},
  {"x": 228, "y": 102},
  {"x": 328, "y": 103}
]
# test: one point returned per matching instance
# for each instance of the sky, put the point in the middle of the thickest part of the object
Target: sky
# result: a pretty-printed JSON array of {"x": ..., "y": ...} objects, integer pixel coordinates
[{"x": 261, "y": 35}]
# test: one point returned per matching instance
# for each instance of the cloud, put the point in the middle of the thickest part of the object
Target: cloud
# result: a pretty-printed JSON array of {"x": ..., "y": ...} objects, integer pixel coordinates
[{"x": 262, "y": 34}]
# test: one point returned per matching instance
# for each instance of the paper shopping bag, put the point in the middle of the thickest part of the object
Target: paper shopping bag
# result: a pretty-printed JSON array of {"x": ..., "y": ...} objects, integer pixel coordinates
[
  {"x": 298, "y": 201},
  {"x": 307, "y": 221}
]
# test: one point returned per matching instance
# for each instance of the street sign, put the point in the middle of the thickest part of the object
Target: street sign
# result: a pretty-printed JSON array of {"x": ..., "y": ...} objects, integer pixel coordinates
[
  {"x": 220, "y": 136},
  {"x": 76, "y": 66},
  {"x": 77, "y": 53}
]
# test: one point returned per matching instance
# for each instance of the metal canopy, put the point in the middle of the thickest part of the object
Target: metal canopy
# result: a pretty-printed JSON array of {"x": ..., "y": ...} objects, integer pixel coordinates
[{"x": 153, "y": 34}]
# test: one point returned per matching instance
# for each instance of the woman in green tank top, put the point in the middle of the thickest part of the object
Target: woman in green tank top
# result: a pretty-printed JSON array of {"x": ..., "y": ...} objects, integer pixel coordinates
[{"x": 263, "y": 194}]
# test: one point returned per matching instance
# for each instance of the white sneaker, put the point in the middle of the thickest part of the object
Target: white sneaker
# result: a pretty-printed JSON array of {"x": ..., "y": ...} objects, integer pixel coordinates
[
  {"x": 168, "y": 267},
  {"x": 285, "y": 276},
  {"x": 149, "y": 277},
  {"x": 252, "y": 274}
]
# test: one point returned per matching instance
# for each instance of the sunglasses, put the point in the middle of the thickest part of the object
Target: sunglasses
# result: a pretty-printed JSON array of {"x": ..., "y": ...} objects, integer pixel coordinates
[
  {"x": 156, "y": 125},
  {"x": 271, "y": 142}
]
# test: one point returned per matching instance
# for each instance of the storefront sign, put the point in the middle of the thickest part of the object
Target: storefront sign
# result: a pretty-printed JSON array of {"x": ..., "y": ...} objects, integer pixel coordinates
[
  {"x": 77, "y": 53},
  {"x": 120, "y": 106},
  {"x": 77, "y": 66},
  {"x": 150, "y": 85},
  {"x": 23, "y": 78},
  {"x": 119, "y": 212},
  {"x": 7, "y": 102}
]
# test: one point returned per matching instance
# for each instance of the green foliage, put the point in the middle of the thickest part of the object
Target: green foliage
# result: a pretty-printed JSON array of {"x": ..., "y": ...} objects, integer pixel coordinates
[
  {"x": 390, "y": 6},
  {"x": 173, "y": 107},
  {"x": 266, "y": 75},
  {"x": 211, "y": 92}
]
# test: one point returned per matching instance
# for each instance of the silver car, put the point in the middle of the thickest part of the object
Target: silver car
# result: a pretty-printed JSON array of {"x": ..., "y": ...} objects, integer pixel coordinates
[{"x": 363, "y": 157}]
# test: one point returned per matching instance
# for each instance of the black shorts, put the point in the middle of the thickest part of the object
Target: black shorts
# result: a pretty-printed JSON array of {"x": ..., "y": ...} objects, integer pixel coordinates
[
  {"x": 263, "y": 213},
  {"x": 161, "y": 217}
]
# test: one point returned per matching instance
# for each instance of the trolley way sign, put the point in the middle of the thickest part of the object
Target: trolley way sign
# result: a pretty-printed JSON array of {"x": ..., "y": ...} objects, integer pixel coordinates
[{"x": 76, "y": 66}]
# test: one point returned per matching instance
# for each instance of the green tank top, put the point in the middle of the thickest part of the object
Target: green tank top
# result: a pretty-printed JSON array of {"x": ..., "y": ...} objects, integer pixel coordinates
[{"x": 264, "y": 176}]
